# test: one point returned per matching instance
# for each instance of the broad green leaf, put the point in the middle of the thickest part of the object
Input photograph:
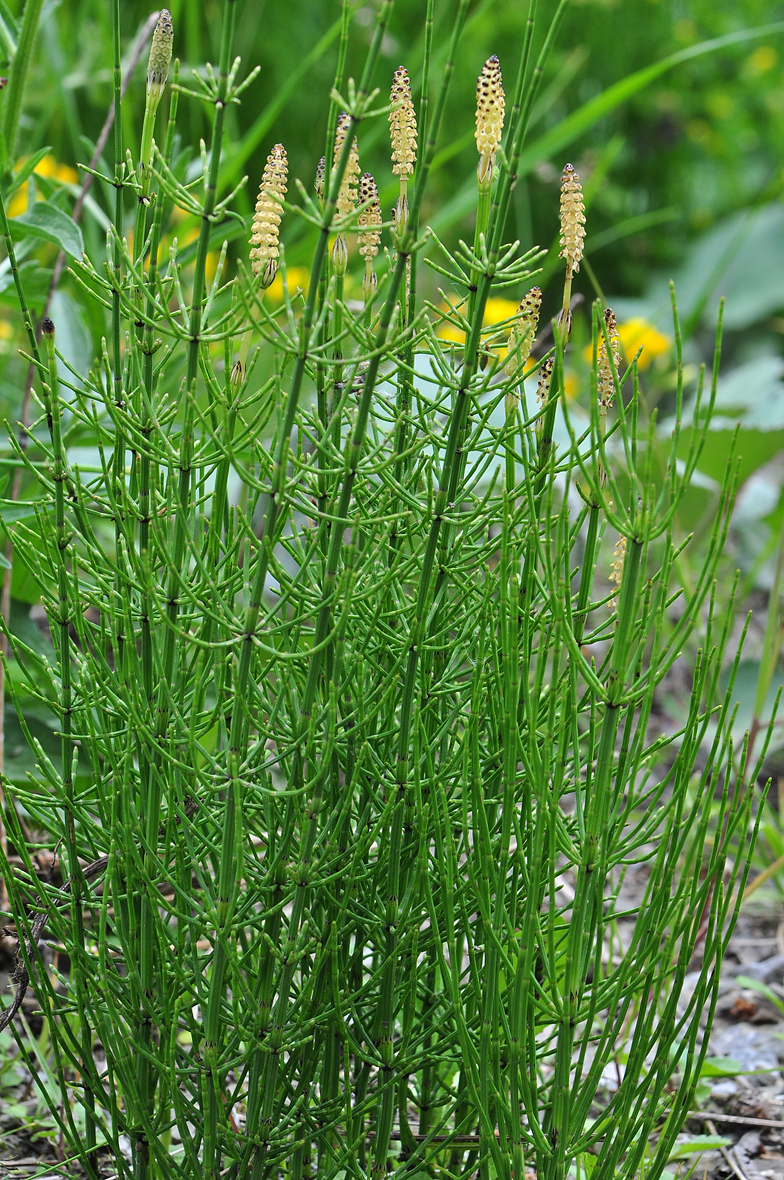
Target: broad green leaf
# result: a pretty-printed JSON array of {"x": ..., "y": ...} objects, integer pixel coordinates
[
  {"x": 23, "y": 585},
  {"x": 20, "y": 759},
  {"x": 16, "y": 1110},
  {"x": 720, "y": 1067},
  {"x": 35, "y": 279},
  {"x": 698, "y": 1143},
  {"x": 751, "y": 450},
  {"x": 740, "y": 259},
  {"x": 26, "y": 629},
  {"x": 756, "y": 390},
  {"x": 47, "y": 221},
  {"x": 752, "y": 278},
  {"x": 73, "y": 338}
]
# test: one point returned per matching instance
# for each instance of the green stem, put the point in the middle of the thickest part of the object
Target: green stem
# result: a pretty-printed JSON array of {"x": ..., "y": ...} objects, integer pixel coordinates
[
  {"x": 118, "y": 462},
  {"x": 149, "y": 774},
  {"x": 586, "y": 574}
]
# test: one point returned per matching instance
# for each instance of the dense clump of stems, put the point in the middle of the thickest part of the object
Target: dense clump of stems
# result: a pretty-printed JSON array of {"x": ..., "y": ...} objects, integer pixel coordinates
[{"x": 356, "y": 746}]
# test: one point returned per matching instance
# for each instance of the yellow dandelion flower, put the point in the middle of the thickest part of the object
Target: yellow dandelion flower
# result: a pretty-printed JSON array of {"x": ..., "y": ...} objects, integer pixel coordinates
[
  {"x": 296, "y": 276},
  {"x": 496, "y": 311},
  {"x": 50, "y": 169},
  {"x": 639, "y": 331},
  {"x": 633, "y": 333}
]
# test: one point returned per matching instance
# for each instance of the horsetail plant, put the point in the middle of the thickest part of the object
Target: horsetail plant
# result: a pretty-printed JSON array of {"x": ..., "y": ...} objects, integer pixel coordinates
[{"x": 353, "y": 763}]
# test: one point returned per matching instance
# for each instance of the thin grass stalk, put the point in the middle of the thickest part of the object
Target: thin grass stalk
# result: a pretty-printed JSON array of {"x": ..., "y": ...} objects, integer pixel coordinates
[{"x": 17, "y": 83}]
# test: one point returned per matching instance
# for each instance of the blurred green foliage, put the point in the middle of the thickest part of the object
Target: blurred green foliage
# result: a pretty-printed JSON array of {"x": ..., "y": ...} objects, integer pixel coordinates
[{"x": 705, "y": 140}]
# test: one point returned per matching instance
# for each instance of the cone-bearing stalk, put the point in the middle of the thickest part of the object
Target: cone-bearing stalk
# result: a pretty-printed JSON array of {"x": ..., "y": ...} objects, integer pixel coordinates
[
  {"x": 370, "y": 237},
  {"x": 572, "y": 238},
  {"x": 489, "y": 128},
  {"x": 543, "y": 392},
  {"x": 490, "y": 104},
  {"x": 605, "y": 384},
  {"x": 519, "y": 344},
  {"x": 323, "y": 954},
  {"x": 522, "y": 333},
  {"x": 403, "y": 134},
  {"x": 605, "y": 381},
  {"x": 157, "y": 72},
  {"x": 266, "y": 219},
  {"x": 347, "y": 196},
  {"x": 616, "y": 567}
]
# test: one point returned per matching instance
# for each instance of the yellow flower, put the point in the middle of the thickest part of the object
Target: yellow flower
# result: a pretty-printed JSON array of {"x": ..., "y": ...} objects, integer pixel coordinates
[
  {"x": 48, "y": 168},
  {"x": 763, "y": 58},
  {"x": 496, "y": 311},
  {"x": 636, "y": 332},
  {"x": 571, "y": 383},
  {"x": 296, "y": 276}
]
